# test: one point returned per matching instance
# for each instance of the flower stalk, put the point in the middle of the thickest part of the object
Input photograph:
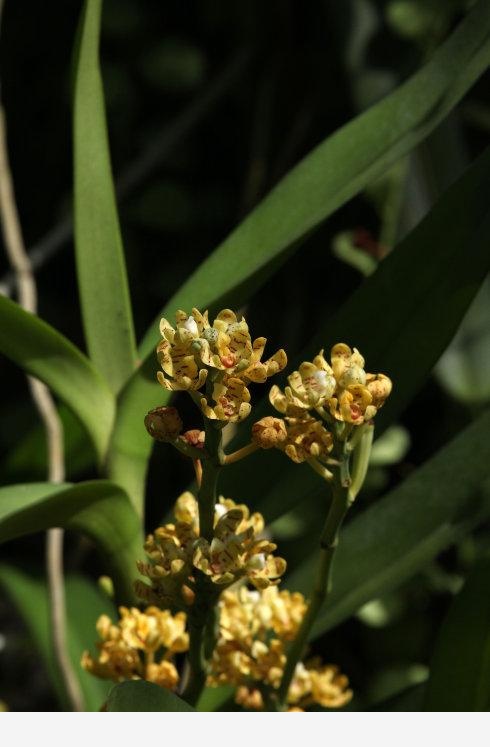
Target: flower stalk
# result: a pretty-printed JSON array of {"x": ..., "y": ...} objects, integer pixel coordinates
[
  {"x": 252, "y": 639},
  {"x": 202, "y": 616},
  {"x": 340, "y": 504}
]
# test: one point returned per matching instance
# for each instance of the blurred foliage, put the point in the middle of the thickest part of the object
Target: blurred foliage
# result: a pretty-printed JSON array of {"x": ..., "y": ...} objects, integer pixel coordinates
[{"x": 209, "y": 106}]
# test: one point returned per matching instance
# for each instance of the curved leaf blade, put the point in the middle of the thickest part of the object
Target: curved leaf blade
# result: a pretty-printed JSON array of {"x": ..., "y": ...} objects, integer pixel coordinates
[
  {"x": 398, "y": 535},
  {"x": 101, "y": 270},
  {"x": 138, "y": 695},
  {"x": 402, "y": 318},
  {"x": 460, "y": 670},
  {"x": 84, "y": 604},
  {"x": 340, "y": 167},
  {"x": 98, "y": 509},
  {"x": 43, "y": 352}
]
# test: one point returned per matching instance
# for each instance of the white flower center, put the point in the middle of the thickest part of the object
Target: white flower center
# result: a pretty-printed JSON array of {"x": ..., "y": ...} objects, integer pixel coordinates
[
  {"x": 220, "y": 510},
  {"x": 257, "y": 562},
  {"x": 353, "y": 375},
  {"x": 322, "y": 383},
  {"x": 191, "y": 325}
]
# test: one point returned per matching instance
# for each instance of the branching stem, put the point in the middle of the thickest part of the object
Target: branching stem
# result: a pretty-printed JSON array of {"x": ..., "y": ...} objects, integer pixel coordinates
[{"x": 328, "y": 544}]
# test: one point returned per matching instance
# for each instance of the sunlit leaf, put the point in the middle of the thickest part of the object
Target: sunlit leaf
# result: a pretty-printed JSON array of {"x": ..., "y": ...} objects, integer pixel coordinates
[
  {"x": 43, "y": 352},
  {"x": 401, "y": 319},
  {"x": 340, "y": 167},
  {"x": 101, "y": 271},
  {"x": 139, "y": 695}
]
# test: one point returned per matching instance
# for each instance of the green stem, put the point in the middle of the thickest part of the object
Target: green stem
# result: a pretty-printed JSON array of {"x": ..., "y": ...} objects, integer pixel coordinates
[
  {"x": 211, "y": 467},
  {"x": 241, "y": 453},
  {"x": 187, "y": 449},
  {"x": 202, "y": 614},
  {"x": 328, "y": 545},
  {"x": 197, "y": 663},
  {"x": 360, "y": 460},
  {"x": 319, "y": 468}
]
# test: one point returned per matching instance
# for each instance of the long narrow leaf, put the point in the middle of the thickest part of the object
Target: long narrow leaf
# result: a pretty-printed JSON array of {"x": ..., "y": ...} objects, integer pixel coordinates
[
  {"x": 98, "y": 509},
  {"x": 401, "y": 533},
  {"x": 144, "y": 696},
  {"x": 335, "y": 171},
  {"x": 402, "y": 319},
  {"x": 101, "y": 270},
  {"x": 460, "y": 668},
  {"x": 340, "y": 167},
  {"x": 43, "y": 352}
]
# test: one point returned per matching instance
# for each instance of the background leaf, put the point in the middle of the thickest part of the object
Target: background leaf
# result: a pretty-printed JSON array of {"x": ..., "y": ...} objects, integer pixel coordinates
[
  {"x": 43, "y": 352},
  {"x": 399, "y": 534},
  {"x": 401, "y": 318},
  {"x": 464, "y": 369},
  {"x": 85, "y": 602},
  {"x": 460, "y": 668},
  {"x": 340, "y": 167},
  {"x": 103, "y": 285},
  {"x": 27, "y": 459},
  {"x": 139, "y": 695},
  {"x": 98, "y": 509}
]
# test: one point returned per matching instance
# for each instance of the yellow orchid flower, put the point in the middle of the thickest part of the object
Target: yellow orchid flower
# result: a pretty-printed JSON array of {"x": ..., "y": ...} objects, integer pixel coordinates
[
  {"x": 127, "y": 649},
  {"x": 193, "y": 348}
]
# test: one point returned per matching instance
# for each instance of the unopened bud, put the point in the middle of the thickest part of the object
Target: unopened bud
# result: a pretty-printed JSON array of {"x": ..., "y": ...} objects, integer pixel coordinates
[
  {"x": 163, "y": 423},
  {"x": 188, "y": 595},
  {"x": 379, "y": 387},
  {"x": 195, "y": 438},
  {"x": 106, "y": 585},
  {"x": 269, "y": 432}
]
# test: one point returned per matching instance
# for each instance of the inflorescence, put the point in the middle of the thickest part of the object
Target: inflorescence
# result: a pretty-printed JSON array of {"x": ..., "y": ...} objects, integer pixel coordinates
[{"x": 322, "y": 409}]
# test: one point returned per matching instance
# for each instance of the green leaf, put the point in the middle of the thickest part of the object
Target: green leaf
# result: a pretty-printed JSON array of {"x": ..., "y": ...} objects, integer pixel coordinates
[
  {"x": 84, "y": 602},
  {"x": 402, "y": 318},
  {"x": 340, "y": 167},
  {"x": 102, "y": 280},
  {"x": 410, "y": 699},
  {"x": 28, "y": 458},
  {"x": 213, "y": 698},
  {"x": 464, "y": 369},
  {"x": 139, "y": 695},
  {"x": 460, "y": 668},
  {"x": 98, "y": 509},
  {"x": 393, "y": 539},
  {"x": 43, "y": 352}
]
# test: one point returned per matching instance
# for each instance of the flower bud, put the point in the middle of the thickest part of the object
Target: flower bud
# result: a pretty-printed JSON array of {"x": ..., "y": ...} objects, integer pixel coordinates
[
  {"x": 269, "y": 432},
  {"x": 163, "y": 423},
  {"x": 195, "y": 438},
  {"x": 106, "y": 584},
  {"x": 380, "y": 387}
]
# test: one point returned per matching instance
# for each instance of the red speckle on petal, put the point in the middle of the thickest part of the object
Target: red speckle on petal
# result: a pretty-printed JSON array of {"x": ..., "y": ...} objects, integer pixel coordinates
[
  {"x": 228, "y": 361},
  {"x": 355, "y": 412}
]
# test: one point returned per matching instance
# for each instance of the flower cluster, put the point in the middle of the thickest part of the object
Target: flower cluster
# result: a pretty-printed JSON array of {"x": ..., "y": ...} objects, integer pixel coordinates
[
  {"x": 236, "y": 551},
  {"x": 340, "y": 392},
  {"x": 250, "y": 652},
  {"x": 139, "y": 646},
  {"x": 221, "y": 354}
]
